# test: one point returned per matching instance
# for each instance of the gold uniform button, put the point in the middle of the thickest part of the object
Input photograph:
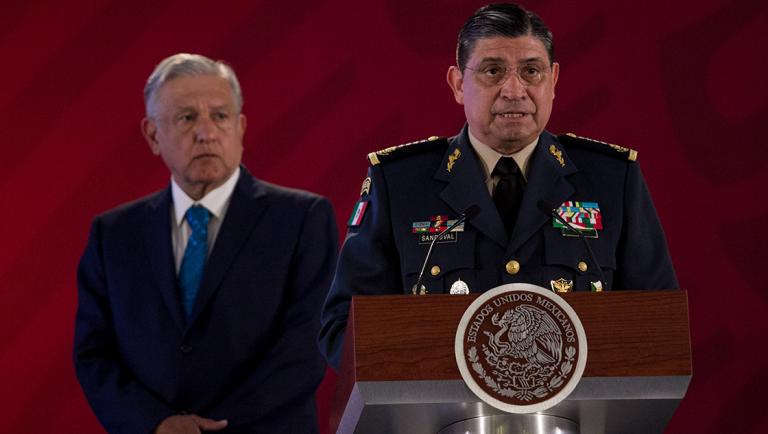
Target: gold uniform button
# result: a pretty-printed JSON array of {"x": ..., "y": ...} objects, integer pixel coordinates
[
  {"x": 582, "y": 266},
  {"x": 435, "y": 270},
  {"x": 513, "y": 267}
]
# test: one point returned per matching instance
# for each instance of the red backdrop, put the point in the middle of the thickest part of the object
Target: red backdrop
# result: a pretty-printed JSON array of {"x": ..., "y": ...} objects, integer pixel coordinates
[{"x": 327, "y": 82}]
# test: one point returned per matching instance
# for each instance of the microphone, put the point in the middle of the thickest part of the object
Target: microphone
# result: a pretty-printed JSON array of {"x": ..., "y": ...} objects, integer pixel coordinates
[
  {"x": 469, "y": 213},
  {"x": 549, "y": 209}
]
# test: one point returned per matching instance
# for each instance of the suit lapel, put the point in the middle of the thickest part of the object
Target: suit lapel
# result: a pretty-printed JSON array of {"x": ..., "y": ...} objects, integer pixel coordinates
[
  {"x": 245, "y": 209},
  {"x": 547, "y": 181},
  {"x": 159, "y": 251},
  {"x": 466, "y": 187}
]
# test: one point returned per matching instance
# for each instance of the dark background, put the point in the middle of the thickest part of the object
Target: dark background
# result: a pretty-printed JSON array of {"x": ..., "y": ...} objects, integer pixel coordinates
[{"x": 326, "y": 82}]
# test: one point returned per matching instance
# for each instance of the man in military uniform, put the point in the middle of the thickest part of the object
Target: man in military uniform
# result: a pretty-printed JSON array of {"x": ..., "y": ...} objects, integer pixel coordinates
[{"x": 506, "y": 165}]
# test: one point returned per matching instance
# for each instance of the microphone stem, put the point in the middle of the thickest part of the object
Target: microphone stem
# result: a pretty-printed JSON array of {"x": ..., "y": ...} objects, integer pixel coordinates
[
  {"x": 586, "y": 244},
  {"x": 417, "y": 287}
]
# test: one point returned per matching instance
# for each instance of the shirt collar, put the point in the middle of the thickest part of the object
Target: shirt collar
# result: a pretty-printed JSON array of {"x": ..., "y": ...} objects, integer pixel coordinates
[
  {"x": 489, "y": 157},
  {"x": 215, "y": 201}
]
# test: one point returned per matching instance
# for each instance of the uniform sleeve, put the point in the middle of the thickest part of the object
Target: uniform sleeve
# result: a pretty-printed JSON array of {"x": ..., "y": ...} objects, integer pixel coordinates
[
  {"x": 120, "y": 402},
  {"x": 643, "y": 258},
  {"x": 368, "y": 265}
]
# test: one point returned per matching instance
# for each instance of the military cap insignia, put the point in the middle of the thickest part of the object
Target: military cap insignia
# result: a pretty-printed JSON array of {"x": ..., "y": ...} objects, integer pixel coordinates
[
  {"x": 394, "y": 152},
  {"x": 366, "y": 187},
  {"x": 600, "y": 146},
  {"x": 558, "y": 154},
  {"x": 584, "y": 216},
  {"x": 452, "y": 159}
]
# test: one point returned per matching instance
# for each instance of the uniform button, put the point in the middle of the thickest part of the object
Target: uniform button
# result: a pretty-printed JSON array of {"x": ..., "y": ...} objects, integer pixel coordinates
[
  {"x": 582, "y": 266},
  {"x": 513, "y": 267},
  {"x": 185, "y": 348},
  {"x": 435, "y": 270}
]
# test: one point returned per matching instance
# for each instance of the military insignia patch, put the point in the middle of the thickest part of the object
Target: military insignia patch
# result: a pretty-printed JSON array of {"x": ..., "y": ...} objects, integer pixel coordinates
[
  {"x": 393, "y": 152},
  {"x": 452, "y": 159},
  {"x": 428, "y": 230},
  {"x": 558, "y": 154},
  {"x": 358, "y": 213},
  {"x": 584, "y": 216},
  {"x": 561, "y": 285},
  {"x": 366, "y": 187},
  {"x": 459, "y": 287},
  {"x": 600, "y": 146}
]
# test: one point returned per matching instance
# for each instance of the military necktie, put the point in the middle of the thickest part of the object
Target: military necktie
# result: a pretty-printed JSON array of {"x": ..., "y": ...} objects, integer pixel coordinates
[
  {"x": 508, "y": 193},
  {"x": 193, "y": 263}
]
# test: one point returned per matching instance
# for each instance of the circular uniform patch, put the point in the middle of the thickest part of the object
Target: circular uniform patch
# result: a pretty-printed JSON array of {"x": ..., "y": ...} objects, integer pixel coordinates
[{"x": 521, "y": 348}]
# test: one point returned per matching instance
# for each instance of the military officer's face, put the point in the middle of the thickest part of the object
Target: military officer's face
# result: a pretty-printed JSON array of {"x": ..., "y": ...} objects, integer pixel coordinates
[
  {"x": 194, "y": 125},
  {"x": 507, "y": 90}
]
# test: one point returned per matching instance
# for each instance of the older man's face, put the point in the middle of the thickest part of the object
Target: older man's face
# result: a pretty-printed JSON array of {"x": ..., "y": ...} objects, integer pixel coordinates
[
  {"x": 193, "y": 124},
  {"x": 510, "y": 114}
]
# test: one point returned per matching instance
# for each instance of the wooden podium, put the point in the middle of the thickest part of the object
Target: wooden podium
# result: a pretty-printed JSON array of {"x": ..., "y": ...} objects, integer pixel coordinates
[{"x": 399, "y": 373}]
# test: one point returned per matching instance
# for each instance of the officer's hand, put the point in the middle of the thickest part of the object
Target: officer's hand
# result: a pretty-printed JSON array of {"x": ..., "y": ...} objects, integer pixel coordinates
[{"x": 189, "y": 424}]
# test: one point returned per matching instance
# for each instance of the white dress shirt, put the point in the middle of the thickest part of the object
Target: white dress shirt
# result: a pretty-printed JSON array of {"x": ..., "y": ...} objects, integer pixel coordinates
[
  {"x": 216, "y": 201},
  {"x": 489, "y": 157}
]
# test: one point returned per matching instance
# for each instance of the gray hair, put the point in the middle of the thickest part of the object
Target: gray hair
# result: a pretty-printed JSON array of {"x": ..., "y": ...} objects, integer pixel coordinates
[{"x": 188, "y": 65}]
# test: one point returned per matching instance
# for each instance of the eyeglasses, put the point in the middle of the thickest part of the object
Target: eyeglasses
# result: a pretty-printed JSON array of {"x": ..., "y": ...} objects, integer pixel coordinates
[{"x": 529, "y": 74}]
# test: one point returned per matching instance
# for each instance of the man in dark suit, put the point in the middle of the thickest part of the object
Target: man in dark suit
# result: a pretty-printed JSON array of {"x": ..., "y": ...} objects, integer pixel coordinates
[
  {"x": 506, "y": 165},
  {"x": 198, "y": 305}
]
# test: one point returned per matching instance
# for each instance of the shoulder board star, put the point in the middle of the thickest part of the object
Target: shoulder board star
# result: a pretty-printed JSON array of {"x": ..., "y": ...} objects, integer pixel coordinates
[
  {"x": 395, "y": 152},
  {"x": 598, "y": 146}
]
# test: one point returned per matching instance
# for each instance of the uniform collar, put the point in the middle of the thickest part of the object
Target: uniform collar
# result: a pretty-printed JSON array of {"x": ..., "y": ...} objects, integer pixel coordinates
[
  {"x": 462, "y": 171},
  {"x": 489, "y": 156}
]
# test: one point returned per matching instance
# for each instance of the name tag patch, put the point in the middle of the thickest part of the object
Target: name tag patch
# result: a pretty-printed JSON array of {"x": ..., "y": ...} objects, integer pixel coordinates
[{"x": 427, "y": 231}]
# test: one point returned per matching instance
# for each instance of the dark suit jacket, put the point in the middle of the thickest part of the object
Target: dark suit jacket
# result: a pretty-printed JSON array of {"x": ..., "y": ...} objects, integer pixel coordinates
[
  {"x": 248, "y": 353},
  {"x": 443, "y": 177}
]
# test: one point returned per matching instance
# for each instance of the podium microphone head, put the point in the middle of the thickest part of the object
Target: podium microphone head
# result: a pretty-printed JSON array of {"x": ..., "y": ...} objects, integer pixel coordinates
[
  {"x": 471, "y": 212},
  {"x": 545, "y": 207}
]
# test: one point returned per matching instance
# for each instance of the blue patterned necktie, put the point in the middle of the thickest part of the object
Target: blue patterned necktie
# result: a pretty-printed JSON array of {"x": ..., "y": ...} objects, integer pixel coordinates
[{"x": 194, "y": 257}]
